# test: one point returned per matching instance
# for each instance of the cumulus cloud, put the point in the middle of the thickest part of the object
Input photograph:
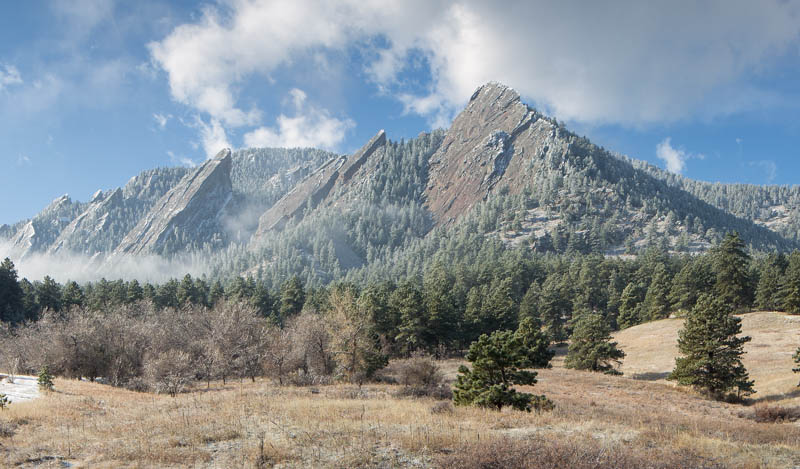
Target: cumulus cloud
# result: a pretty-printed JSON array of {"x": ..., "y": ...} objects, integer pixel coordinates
[
  {"x": 631, "y": 64},
  {"x": 674, "y": 158},
  {"x": 213, "y": 136},
  {"x": 9, "y": 75},
  {"x": 308, "y": 127}
]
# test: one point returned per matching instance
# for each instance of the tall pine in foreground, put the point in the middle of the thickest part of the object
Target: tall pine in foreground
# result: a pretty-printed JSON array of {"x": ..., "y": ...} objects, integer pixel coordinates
[
  {"x": 590, "y": 346},
  {"x": 711, "y": 351}
]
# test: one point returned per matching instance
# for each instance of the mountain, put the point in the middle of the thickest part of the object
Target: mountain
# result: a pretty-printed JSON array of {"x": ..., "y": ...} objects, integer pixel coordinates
[
  {"x": 189, "y": 213},
  {"x": 502, "y": 174}
]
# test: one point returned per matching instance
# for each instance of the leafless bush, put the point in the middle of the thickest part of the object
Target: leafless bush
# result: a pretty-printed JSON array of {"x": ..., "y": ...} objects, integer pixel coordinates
[
  {"x": 442, "y": 407},
  {"x": 420, "y": 376},
  {"x": 170, "y": 372},
  {"x": 774, "y": 414}
]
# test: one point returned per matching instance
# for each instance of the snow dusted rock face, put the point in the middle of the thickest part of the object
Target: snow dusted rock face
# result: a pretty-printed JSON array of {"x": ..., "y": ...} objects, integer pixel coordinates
[
  {"x": 492, "y": 143},
  {"x": 37, "y": 234},
  {"x": 315, "y": 188},
  {"x": 84, "y": 233},
  {"x": 189, "y": 211}
]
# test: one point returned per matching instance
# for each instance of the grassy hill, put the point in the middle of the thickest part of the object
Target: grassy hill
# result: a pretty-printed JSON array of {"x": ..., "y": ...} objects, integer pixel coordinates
[{"x": 651, "y": 349}]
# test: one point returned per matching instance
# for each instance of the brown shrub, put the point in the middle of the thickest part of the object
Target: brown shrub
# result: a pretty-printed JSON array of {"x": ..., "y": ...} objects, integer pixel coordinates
[
  {"x": 420, "y": 376},
  {"x": 774, "y": 414}
]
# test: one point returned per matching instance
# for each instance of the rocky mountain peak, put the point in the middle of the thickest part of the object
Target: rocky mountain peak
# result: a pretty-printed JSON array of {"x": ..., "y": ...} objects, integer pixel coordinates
[{"x": 191, "y": 209}]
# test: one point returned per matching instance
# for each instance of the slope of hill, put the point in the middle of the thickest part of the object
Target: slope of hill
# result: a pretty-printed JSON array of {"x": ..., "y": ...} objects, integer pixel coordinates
[{"x": 651, "y": 349}]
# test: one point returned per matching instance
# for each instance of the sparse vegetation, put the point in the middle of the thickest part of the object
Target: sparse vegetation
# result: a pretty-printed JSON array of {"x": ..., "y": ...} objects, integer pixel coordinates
[{"x": 45, "y": 379}]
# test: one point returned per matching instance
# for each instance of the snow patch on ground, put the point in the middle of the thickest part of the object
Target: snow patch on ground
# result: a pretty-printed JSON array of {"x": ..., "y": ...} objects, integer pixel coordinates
[{"x": 24, "y": 388}]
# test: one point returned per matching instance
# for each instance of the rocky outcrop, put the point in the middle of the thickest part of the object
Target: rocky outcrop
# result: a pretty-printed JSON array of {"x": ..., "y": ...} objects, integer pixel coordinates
[
  {"x": 86, "y": 233},
  {"x": 493, "y": 141},
  {"x": 37, "y": 234},
  {"x": 314, "y": 189},
  {"x": 189, "y": 211}
]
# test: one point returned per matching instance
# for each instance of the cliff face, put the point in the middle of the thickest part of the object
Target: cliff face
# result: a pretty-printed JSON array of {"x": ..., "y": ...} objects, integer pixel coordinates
[
  {"x": 90, "y": 226},
  {"x": 496, "y": 139},
  {"x": 191, "y": 210},
  {"x": 38, "y": 233},
  {"x": 315, "y": 188}
]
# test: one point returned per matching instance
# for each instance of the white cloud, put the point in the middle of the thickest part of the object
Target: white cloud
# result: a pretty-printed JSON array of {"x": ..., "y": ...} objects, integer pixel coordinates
[
  {"x": 161, "y": 119},
  {"x": 625, "y": 63},
  {"x": 213, "y": 136},
  {"x": 675, "y": 158},
  {"x": 9, "y": 75},
  {"x": 181, "y": 160},
  {"x": 309, "y": 127},
  {"x": 23, "y": 160}
]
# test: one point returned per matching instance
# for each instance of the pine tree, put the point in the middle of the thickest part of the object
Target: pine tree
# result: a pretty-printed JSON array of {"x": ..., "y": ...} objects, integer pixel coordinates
[
  {"x": 629, "y": 306},
  {"x": 535, "y": 342},
  {"x": 790, "y": 290},
  {"x": 497, "y": 362},
  {"x": 72, "y": 295},
  {"x": 711, "y": 350},
  {"x": 768, "y": 291},
  {"x": 45, "y": 380},
  {"x": 731, "y": 263},
  {"x": 292, "y": 298},
  {"x": 696, "y": 277},
  {"x": 590, "y": 345},
  {"x": 656, "y": 301},
  {"x": 11, "y": 294},
  {"x": 796, "y": 358}
]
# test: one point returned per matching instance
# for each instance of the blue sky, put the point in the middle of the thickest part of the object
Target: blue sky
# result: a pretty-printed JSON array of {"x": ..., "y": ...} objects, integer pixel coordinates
[{"x": 94, "y": 91}]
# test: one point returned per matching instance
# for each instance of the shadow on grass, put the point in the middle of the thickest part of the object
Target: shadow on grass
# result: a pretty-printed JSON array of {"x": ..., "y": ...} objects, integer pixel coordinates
[
  {"x": 779, "y": 397},
  {"x": 650, "y": 376}
]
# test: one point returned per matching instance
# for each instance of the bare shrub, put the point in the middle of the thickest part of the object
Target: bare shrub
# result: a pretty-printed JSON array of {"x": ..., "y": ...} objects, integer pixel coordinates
[
  {"x": 775, "y": 414},
  {"x": 442, "y": 407},
  {"x": 420, "y": 376},
  {"x": 170, "y": 372}
]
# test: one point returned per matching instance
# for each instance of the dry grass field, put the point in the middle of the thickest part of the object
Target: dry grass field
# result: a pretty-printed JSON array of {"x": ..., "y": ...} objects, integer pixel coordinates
[
  {"x": 651, "y": 350},
  {"x": 599, "y": 421}
]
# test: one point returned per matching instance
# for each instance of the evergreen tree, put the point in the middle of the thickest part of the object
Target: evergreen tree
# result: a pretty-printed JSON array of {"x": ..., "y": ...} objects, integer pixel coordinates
[
  {"x": 72, "y": 295},
  {"x": 695, "y": 278},
  {"x": 790, "y": 290},
  {"x": 497, "y": 365},
  {"x": 409, "y": 303},
  {"x": 731, "y": 265},
  {"x": 11, "y": 295},
  {"x": 590, "y": 345},
  {"x": 629, "y": 306},
  {"x": 711, "y": 350},
  {"x": 292, "y": 298},
  {"x": 796, "y": 358},
  {"x": 656, "y": 301},
  {"x": 529, "y": 306},
  {"x": 440, "y": 306},
  {"x": 535, "y": 342},
  {"x": 48, "y": 294},
  {"x": 554, "y": 306},
  {"x": 135, "y": 292},
  {"x": 768, "y": 290}
]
